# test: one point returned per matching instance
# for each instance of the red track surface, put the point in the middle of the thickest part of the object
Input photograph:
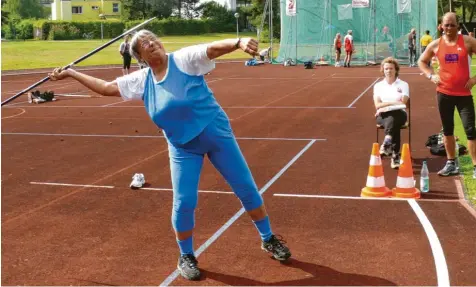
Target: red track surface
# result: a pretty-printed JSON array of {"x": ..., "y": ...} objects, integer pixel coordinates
[{"x": 110, "y": 235}]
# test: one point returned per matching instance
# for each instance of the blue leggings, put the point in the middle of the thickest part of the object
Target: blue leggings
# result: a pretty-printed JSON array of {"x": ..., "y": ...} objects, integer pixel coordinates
[{"x": 219, "y": 143}]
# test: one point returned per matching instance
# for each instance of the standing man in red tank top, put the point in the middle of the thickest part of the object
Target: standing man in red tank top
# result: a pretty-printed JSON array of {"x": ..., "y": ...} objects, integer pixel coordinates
[{"x": 453, "y": 87}]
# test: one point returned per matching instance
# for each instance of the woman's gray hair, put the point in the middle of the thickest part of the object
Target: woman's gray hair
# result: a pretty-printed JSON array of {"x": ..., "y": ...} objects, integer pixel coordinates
[{"x": 134, "y": 42}]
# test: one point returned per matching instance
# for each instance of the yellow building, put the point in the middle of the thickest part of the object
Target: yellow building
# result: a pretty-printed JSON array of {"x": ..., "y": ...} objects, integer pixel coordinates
[{"x": 79, "y": 10}]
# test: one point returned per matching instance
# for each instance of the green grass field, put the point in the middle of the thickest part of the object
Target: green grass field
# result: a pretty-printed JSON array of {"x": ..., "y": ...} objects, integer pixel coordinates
[
  {"x": 19, "y": 55},
  {"x": 466, "y": 165}
]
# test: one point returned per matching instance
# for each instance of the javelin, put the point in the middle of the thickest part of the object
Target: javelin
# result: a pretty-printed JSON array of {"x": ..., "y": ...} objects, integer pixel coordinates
[{"x": 78, "y": 60}]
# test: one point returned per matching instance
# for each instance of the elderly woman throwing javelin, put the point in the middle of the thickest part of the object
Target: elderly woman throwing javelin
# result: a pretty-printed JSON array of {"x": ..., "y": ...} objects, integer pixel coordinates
[{"x": 178, "y": 101}]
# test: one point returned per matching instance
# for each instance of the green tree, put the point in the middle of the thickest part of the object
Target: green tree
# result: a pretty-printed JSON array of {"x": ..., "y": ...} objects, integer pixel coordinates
[
  {"x": 143, "y": 9},
  {"x": 255, "y": 12},
  {"x": 135, "y": 9},
  {"x": 189, "y": 8},
  {"x": 5, "y": 14},
  {"x": 214, "y": 11},
  {"x": 24, "y": 8}
]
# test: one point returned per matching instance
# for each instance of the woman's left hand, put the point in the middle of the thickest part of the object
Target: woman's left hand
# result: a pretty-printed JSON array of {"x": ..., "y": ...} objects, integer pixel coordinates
[
  {"x": 471, "y": 82},
  {"x": 250, "y": 46}
]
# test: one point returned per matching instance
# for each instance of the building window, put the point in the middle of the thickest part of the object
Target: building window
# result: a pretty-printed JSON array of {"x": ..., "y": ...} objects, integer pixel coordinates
[
  {"x": 95, "y": 7},
  {"x": 115, "y": 7},
  {"x": 77, "y": 9}
]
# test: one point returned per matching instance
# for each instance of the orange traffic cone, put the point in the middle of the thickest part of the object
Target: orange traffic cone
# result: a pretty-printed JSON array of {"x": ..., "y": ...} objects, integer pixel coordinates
[
  {"x": 375, "y": 186},
  {"x": 405, "y": 182}
]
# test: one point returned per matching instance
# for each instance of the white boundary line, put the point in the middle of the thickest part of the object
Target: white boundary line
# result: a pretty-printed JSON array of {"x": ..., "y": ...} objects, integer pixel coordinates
[
  {"x": 9, "y": 105},
  {"x": 357, "y": 197},
  {"x": 110, "y": 187},
  {"x": 436, "y": 248},
  {"x": 363, "y": 93},
  {"x": 46, "y": 87},
  {"x": 443, "y": 278},
  {"x": 222, "y": 229},
  {"x": 115, "y": 103},
  {"x": 284, "y": 107},
  {"x": 15, "y": 115},
  {"x": 462, "y": 199},
  {"x": 71, "y": 184},
  {"x": 145, "y": 136},
  {"x": 201, "y": 191},
  {"x": 285, "y": 96},
  {"x": 75, "y": 95},
  {"x": 225, "y": 107},
  {"x": 6, "y": 73}
]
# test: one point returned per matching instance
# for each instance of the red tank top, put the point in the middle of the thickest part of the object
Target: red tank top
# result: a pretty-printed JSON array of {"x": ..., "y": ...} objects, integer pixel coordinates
[
  {"x": 338, "y": 44},
  {"x": 454, "y": 68}
]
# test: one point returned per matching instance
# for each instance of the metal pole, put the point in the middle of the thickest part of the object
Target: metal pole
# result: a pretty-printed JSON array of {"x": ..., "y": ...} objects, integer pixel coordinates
[
  {"x": 451, "y": 10},
  {"x": 237, "y": 15},
  {"x": 78, "y": 60},
  {"x": 330, "y": 31},
  {"x": 271, "y": 31},
  {"x": 375, "y": 31},
  {"x": 419, "y": 27},
  {"x": 102, "y": 30},
  {"x": 297, "y": 34}
]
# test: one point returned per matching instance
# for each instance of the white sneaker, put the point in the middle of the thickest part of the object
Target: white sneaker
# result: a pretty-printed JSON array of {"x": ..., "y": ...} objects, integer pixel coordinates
[
  {"x": 30, "y": 98},
  {"x": 39, "y": 100},
  {"x": 138, "y": 181}
]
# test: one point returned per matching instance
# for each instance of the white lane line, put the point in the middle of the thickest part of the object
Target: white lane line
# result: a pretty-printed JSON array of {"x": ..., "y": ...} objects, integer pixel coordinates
[
  {"x": 202, "y": 191},
  {"x": 71, "y": 184},
  {"x": 284, "y": 107},
  {"x": 112, "y": 104},
  {"x": 357, "y": 197},
  {"x": 77, "y": 96},
  {"x": 363, "y": 93},
  {"x": 222, "y": 229},
  {"x": 145, "y": 136},
  {"x": 225, "y": 107},
  {"x": 442, "y": 276},
  {"x": 15, "y": 115},
  {"x": 283, "y": 97},
  {"x": 215, "y": 80},
  {"x": 110, "y": 186},
  {"x": 9, "y": 105}
]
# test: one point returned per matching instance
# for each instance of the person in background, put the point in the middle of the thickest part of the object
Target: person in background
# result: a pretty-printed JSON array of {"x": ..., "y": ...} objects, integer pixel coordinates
[
  {"x": 126, "y": 56},
  {"x": 390, "y": 98},
  {"x": 412, "y": 47},
  {"x": 337, "y": 48},
  {"x": 453, "y": 87},
  {"x": 349, "y": 48},
  {"x": 425, "y": 41}
]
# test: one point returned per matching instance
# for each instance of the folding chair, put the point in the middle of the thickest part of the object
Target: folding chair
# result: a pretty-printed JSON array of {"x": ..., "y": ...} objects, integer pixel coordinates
[{"x": 406, "y": 126}]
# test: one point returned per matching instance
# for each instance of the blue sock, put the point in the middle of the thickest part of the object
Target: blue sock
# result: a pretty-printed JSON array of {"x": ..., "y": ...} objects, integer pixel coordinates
[
  {"x": 186, "y": 246},
  {"x": 264, "y": 228}
]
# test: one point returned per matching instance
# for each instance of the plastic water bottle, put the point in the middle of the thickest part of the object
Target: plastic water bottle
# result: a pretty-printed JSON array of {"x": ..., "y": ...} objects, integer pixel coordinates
[{"x": 424, "y": 178}]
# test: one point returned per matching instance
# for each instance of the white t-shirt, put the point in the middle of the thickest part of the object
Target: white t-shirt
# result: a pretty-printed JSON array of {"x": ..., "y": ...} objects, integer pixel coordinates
[
  {"x": 264, "y": 52},
  {"x": 351, "y": 39},
  {"x": 191, "y": 60},
  {"x": 123, "y": 47},
  {"x": 391, "y": 93}
]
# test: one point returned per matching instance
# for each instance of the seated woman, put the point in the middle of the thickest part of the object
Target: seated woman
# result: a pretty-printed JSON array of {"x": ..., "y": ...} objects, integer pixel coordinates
[{"x": 390, "y": 98}]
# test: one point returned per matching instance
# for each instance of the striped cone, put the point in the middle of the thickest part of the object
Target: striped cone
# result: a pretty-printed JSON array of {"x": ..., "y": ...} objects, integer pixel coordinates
[
  {"x": 405, "y": 183},
  {"x": 375, "y": 186}
]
